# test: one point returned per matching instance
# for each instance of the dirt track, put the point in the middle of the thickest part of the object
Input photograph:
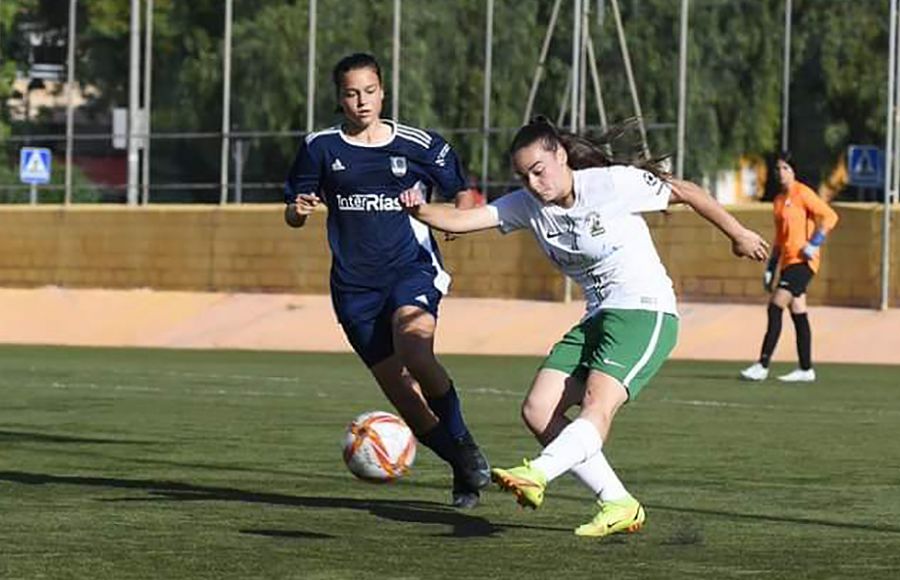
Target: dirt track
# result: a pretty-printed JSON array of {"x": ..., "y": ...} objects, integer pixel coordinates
[{"x": 485, "y": 326}]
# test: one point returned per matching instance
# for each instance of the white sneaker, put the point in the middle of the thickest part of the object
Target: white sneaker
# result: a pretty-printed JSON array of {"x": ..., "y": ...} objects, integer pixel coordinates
[
  {"x": 755, "y": 372},
  {"x": 799, "y": 376}
]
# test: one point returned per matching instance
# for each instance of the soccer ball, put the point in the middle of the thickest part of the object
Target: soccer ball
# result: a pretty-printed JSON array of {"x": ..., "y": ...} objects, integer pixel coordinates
[{"x": 379, "y": 447}]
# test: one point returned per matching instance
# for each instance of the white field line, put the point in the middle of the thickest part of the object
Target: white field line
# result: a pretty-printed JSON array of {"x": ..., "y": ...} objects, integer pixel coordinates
[{"x": 488, "y": 391}]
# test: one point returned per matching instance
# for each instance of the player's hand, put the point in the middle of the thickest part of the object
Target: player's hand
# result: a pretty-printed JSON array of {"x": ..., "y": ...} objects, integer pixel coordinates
[
  {"x": 809, "y": 251},
  {"x": 305, "y": 204},
  {"x": 411, "y": 199},
  {"x": 749, "y": 244}
]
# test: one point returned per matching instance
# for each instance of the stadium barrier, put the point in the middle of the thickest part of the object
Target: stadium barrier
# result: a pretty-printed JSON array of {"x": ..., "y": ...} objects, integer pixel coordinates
[{"x": 247, "y": 248}]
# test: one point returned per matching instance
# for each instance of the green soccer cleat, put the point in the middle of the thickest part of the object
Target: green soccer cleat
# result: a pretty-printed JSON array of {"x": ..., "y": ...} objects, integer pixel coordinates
[
  {"x": 526, "y": 482},
  {"x": 621, "y": 515}
]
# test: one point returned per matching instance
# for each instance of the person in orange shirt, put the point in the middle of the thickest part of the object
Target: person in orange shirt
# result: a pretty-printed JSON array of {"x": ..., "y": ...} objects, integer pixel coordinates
[{"x": 802, "y": 221}]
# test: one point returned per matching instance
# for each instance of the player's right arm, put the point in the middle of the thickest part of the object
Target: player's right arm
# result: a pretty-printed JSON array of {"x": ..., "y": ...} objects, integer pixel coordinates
[
  {"x": 446, "y": 217},
  {"x": 301, "y": 186}
]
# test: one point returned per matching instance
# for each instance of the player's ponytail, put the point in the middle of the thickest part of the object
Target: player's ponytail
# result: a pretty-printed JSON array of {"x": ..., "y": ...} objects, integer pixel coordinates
[{"x": 610, "y": 148}]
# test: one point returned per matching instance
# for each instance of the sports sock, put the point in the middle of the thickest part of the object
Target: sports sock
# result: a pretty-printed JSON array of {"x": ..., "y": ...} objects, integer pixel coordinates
[
  {"x": 804, "y": 339},
  {"x": 576, "y": 443},
  {"x": 596, "y": 473},
  {"x": 773, "y": 331},
  {"x": 440, "y": 441},
  {"x": 448, "y": 410}
]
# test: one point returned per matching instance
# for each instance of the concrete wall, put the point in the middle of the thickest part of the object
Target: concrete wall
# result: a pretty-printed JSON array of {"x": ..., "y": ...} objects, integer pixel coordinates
[{"x": 248, "y": 248}]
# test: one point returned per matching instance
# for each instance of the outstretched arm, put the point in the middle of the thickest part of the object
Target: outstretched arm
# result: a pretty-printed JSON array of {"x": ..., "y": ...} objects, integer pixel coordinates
[
  {"x": 445, "y": 217},
  {"x": 744, "y": 242}
]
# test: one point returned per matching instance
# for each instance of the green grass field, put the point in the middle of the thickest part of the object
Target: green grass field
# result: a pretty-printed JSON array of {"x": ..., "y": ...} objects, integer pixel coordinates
[{"x": 120, "y": 464}]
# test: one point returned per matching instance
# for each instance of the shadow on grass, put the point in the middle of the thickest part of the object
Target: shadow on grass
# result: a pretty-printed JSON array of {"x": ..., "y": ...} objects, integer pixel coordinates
[
  {"x": 292, "y": 534},
  {"x": 31, "y": 437},
  {"x": 782, "y": 519},
  {"x": 462, "y": 524}
]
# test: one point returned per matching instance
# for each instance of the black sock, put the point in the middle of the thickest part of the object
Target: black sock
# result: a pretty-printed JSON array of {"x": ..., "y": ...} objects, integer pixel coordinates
[
  {"x": 773, "y": 331},
  {"x": 441, "y": 442},
  {"x": 448, "y": 410},
  {"x": 804, "y": 340}
]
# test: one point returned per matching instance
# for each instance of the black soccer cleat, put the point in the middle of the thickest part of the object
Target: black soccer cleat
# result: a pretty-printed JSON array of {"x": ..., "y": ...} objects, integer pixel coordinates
[
  {"x": 463, "y": 497},
  {"x": 472, "y": 471}
]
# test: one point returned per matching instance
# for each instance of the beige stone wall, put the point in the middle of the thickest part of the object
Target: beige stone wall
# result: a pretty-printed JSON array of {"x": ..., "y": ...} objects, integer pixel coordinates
[{"x": 249, "y": 249}]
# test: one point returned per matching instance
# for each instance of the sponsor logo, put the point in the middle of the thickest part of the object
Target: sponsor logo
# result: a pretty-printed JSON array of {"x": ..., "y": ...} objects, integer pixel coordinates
[
  {"x": 336, "y": 165},
  {"x": 441, "y": 159},
  {"x": 368, "y": 202},
  {"x": 398, "y": 166}
]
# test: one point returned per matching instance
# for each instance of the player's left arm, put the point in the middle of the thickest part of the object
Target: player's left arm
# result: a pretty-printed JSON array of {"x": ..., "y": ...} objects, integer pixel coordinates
[
  {"x": 823, "y": 215},
  {"x": 445, "y": 217},
  {"x": 744, "y": 242}
]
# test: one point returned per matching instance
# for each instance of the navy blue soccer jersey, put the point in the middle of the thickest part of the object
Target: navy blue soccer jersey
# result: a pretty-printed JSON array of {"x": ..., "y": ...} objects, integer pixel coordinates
[{"x": 373, "y": 240}]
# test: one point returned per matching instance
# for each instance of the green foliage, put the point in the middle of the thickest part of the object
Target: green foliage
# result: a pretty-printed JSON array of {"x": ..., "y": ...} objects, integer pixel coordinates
[{"x": 838, "y": 92}]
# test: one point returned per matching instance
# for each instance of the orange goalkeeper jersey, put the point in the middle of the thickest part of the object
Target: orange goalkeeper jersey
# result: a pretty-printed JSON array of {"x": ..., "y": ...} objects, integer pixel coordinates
[{"x": 798, "y": 214}]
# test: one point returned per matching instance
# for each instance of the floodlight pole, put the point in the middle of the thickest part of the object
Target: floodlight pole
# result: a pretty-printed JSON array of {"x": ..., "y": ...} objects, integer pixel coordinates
[
  {"x": 786, "y": 79},
  {"x": 576, "y": 66},
  {"x": 395, "y": 64},
  {"x": 682, "y": 88},
  {"x": 134, "y": 86},
  {"x": 148, "y": 77},
  {"x": 577, "y": 48},
  {"x": 70, "y": 106},
  {"x": 226, "y": 106},
  {"x": 486, "y": 117},
  {"x": 311, "y": 70},
  {"x": 889, "y": 185}
]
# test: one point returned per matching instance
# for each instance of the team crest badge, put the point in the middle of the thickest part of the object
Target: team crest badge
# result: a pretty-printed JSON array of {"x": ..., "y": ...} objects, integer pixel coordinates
[
  {"x": 398, "y": 166},
  {"x": 594, "y": 224}
]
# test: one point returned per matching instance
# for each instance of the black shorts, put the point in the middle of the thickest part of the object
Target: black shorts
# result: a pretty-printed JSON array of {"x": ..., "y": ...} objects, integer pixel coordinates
[{"x": 795, "y": 278}]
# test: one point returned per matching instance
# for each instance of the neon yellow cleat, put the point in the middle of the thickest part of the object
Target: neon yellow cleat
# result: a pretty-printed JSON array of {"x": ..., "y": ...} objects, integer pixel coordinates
[
  {"x": 526, "y": 482},
  {"x": 622, "y": 515}
]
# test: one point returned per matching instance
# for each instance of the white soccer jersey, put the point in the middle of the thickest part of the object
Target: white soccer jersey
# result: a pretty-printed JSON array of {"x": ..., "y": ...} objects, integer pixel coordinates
[{"x": 601, "y": 242}]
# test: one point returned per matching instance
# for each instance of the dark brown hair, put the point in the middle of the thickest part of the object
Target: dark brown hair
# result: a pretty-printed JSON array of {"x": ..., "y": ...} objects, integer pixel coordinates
[
  {"x": 615, "y": 146},
  {"x": 351, "y": 62}
]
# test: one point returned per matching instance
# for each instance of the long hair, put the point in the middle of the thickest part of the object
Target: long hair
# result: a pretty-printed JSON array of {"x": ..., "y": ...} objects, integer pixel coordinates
[
  {"x": 615, "y": 146},
  {"x": 772, "y": 186}
]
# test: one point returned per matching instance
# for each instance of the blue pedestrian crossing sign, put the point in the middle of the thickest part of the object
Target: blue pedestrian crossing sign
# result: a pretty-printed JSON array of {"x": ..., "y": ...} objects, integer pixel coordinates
[
  {"x": 865, "y": 166},
  {"x": 34, "y": 165}
]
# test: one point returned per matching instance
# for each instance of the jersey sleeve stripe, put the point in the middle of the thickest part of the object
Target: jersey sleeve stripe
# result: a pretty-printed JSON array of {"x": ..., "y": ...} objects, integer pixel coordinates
[
  {"x": 414, "y": 139},
  {"x": 329, "y": 131},
  {"x": 415, "y": 131}
]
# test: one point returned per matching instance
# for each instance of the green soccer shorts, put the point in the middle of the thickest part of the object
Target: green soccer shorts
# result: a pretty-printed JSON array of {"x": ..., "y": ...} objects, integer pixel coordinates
[{"x": 628, "y": 345}]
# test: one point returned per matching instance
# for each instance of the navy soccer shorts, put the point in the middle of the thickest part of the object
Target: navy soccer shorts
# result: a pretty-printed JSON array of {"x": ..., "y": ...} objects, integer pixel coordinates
[{"x": 366, "y": 313}]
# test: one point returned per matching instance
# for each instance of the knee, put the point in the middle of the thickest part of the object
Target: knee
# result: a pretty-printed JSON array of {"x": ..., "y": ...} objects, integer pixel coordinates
[
  {"x": 536, "y": 416},
  {"x": 415, "y": 351}
]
